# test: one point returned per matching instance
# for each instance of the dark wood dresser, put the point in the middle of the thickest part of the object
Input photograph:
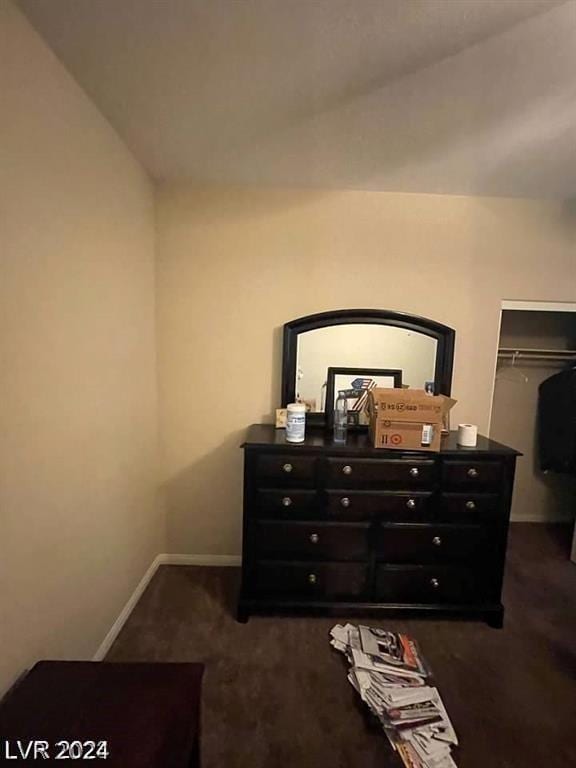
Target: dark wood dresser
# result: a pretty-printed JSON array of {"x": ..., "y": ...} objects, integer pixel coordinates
[{"x": 349, "y": 528}]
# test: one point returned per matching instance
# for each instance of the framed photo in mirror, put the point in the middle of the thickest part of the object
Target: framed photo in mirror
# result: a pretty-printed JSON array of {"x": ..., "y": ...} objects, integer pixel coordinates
[{"x": 357, "y": 383}]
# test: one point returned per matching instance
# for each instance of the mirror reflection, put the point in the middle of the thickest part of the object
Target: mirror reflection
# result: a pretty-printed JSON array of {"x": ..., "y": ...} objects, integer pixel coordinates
[{"x": 380, "y": 355}]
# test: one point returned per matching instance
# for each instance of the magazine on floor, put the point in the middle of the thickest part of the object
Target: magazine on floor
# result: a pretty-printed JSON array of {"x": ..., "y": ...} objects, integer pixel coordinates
[
  {"x": 391, "y": 650},
  {"x": 389, "y": 673}
]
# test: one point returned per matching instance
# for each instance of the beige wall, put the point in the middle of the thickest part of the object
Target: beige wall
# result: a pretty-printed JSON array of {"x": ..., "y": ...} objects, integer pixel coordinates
[
  {"x": 234, "y": 264},
  {"x": 79, "y": 519}
]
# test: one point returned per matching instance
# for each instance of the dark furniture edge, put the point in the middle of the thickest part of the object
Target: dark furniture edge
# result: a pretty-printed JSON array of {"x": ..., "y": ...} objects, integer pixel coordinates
[{"x": 318, "y": 440}]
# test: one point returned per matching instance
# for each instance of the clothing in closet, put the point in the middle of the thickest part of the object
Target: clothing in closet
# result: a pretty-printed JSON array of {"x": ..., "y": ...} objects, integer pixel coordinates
[{"x": 557, "y": 422}]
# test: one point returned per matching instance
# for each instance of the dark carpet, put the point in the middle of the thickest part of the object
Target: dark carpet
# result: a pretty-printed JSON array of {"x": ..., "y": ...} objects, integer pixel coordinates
[{"x": 276, "y": 696}]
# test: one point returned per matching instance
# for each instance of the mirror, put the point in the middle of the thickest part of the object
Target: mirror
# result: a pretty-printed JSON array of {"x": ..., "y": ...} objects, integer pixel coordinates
[{"x": 356, "y": 350}]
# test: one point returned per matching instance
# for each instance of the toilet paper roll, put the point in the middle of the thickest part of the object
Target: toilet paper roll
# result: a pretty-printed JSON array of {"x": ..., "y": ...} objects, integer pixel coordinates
[{"x": 467, "y": 435}]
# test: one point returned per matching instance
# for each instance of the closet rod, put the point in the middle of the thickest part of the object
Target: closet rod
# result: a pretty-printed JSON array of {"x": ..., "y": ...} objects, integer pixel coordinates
[{"x": 544, "y": 354}]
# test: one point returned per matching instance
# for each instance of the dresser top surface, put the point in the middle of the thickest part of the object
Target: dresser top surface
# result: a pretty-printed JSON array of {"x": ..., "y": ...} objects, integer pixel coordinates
[{"x": 266, "y": 435}]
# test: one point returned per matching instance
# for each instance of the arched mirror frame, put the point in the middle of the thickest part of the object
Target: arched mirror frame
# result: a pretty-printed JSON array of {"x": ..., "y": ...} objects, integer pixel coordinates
[{"x": 443, "y": 335}]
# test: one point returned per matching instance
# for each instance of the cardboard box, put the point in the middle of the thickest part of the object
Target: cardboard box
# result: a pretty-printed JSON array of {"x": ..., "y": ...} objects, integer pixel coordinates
[
  {"x": 406, "y": 435},
  {"x": 407, "y": 419}
]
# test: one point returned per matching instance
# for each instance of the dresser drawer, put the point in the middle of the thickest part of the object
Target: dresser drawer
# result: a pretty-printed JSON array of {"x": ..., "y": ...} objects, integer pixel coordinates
[
  {"x": 359, "y": 505},
  {"x": 285, "y": 470},
  {"x": 315, "y": 541},
  {"x": 379, "y": 473},
  {"x": 287, "y": 503},
  {"x": 472, "y": 474},
  {"x": 429, "y": 543},
  {"x": 310, "y": 581},
  {"x": 427, "y": 584},
  {"x": 468, "y": 507}
]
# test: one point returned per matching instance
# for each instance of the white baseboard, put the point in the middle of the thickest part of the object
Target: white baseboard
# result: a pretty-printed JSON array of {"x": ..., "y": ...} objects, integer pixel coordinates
[
  {"x": 218, "y": 560},
  {"x": 127, "y": 610},
  {"x": 163, "y": 559}
]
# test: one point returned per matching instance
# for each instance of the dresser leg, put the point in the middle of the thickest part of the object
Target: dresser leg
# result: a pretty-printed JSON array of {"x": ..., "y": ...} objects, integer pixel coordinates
[
  {"x": 242, "y": 614},
  {"x": 495, "y": 619}
]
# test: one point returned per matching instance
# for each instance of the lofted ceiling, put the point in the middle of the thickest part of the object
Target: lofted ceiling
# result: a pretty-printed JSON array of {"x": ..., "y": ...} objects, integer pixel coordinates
[{"x": 438, "y": 96}]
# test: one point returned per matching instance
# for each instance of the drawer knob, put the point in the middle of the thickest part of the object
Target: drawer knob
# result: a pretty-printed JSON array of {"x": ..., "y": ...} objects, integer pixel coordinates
[
  {"x": 347, "y": 469},
  {"x": 411, "y": 504},
  {"x": 434, "y": 583},
  {"x": 286, "y": 501},
  {"x": 470, "y": 504},
  {"x": 414, "y": 471},
  {"x": 437, "y": 541},
  {"x": 314, "y": 538},
  {"x": 312, "y": 578},
  {"x": 472, "y": 472},
  {"x": 345, "y": 501},
  {"x": 288, "y": 468}
]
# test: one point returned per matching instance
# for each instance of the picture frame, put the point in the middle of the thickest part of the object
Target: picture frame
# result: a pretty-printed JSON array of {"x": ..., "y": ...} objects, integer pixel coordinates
[{"x": 361, "y": 381}]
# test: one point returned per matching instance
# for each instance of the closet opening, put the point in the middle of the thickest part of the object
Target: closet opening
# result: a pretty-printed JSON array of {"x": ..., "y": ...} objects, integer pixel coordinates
[{"x": 537, "y": 341}]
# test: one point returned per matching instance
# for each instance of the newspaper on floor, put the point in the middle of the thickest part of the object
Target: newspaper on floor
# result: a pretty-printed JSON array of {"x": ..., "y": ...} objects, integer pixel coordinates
[{"x": 389, "y": 673}]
